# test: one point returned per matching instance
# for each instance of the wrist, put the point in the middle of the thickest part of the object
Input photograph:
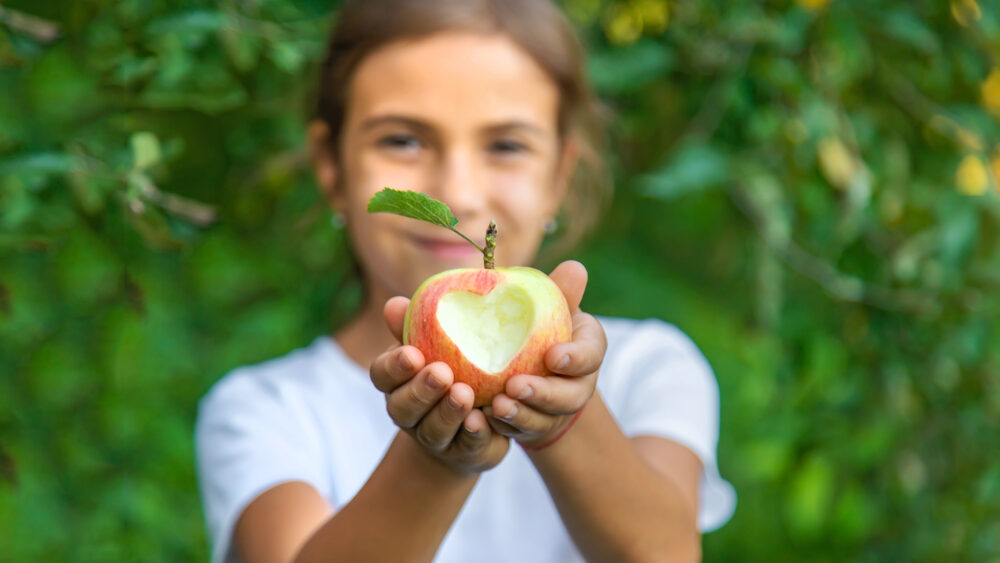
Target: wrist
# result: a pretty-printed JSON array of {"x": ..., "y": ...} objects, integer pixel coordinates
[
  {"x": 555, "y": 437},
  {"x": 433, "y": 467}
]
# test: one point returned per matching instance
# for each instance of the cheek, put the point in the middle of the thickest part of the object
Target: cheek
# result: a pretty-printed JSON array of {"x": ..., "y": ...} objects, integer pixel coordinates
[
  {"x": 523, "y": 197},
  {"x": 520, "y": 203}
]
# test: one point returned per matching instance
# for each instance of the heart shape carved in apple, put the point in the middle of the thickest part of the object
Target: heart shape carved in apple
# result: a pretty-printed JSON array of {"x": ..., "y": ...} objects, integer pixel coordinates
[
  {"x": 488, "y": 325},
  {"x": 488, "y": 329}
]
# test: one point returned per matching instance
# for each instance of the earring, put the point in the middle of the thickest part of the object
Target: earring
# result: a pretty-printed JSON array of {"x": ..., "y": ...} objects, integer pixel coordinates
[
  {"x": 337, "y": 220},
  {"x": 550, "y": 225}
]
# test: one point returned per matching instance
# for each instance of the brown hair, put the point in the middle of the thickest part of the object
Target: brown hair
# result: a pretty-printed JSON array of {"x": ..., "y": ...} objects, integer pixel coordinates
[{"x": 537, "y": 26}]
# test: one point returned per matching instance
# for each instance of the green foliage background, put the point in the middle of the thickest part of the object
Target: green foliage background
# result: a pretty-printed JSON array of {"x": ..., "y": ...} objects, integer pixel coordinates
[{"x": 807, "y": 188}]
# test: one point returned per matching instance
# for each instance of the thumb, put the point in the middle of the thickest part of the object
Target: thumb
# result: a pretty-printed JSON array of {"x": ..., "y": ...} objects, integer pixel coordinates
[
  {"x": 395, "y": 313},
  {"x": 571, "y": 277}
]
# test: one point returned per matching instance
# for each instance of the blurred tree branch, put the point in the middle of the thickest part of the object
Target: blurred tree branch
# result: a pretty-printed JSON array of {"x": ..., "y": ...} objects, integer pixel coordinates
[
  {"x": 840, "y": 285},
  {"x": 37, "y": 28}
]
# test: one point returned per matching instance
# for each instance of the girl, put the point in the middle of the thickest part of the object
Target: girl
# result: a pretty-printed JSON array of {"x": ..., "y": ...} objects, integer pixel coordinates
[{"x": 483, "y": 105}]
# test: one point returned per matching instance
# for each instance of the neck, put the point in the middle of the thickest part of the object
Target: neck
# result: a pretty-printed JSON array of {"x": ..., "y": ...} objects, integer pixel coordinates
[{"x": 366, "y": 336}]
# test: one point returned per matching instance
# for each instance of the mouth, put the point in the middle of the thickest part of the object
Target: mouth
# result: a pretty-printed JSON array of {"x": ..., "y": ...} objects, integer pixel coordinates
[{"x": 446, "y": 249}]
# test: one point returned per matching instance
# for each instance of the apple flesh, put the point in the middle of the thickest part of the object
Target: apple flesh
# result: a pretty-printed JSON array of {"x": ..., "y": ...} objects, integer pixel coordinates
[{"x": 488, "y": 324}]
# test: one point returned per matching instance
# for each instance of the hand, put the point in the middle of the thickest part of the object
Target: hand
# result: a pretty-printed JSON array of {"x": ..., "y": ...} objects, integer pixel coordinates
[
  {"x": 534, "y": 409},
  {"x": 423, "y": 400}
]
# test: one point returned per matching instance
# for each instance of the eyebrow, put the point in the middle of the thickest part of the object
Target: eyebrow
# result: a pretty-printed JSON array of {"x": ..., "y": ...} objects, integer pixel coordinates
[
  {"x": 373, "y": 122},
  {"x": 514, "y": 125}
]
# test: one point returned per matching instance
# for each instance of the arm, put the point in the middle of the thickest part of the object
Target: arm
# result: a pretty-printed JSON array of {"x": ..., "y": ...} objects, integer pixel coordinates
[
  {"x": 406, "y": 507},
  {"x": 641, "y": 494},
  {"x": 621, "y": 499},
  {"x": 410, "y": 497}
]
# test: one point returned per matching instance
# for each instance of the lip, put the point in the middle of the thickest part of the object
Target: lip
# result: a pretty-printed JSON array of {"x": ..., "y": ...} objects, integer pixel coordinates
[{"x": 446, "y": 249}]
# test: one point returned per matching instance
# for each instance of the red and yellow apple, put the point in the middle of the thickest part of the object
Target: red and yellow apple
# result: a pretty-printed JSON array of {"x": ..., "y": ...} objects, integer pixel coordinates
[{"x": 488, "y": 324}]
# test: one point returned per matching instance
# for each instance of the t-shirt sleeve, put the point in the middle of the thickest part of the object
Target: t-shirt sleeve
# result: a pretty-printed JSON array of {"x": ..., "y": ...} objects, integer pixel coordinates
[
  {"x": 249, "y": 437},
  {"x": 666, "y": 388}
]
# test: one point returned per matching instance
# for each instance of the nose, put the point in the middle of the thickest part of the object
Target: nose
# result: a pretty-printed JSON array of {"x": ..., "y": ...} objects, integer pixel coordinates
[{"x": 459, "y": 184}]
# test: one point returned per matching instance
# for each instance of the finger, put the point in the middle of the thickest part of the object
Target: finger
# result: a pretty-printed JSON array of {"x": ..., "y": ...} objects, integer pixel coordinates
[
  {"x": 474, "y": 436},
  {"x": 584, "y": 354},
  {"x": 499, "y": 426},
  {"x": 482, "y": 442},
  {"x": 395, "y": 313},
  {"x": 411, "y": 401},
  {"x": 522, "y": 417},
  {"x": 437, "y": 430},
  {"x": 551, "y": 395},
  {"x": 571, "y": 277},
  {"x": 396, "y": 367}
]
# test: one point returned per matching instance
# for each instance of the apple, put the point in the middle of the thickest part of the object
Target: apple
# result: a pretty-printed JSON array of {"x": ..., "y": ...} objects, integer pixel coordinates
[{"x": 488, "y": 324}]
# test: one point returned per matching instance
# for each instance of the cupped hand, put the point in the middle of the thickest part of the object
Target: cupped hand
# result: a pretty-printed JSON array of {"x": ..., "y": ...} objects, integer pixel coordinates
[
  {"x": 535, "y": 409},
  {"x": 425, "y": 402}
]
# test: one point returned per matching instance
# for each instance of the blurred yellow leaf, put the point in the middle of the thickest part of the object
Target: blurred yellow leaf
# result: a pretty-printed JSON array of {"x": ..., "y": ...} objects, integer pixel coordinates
[
  {"x": 965, "y": 11},
  {"x": 991, "y": 92},
  {"x": 813, "y": 5},
  {"x": 622, "y": 24},
  {"x": 971, "y": 177},
  {"x": 655, "y": 15},
  {"x": 836, "y": 162}
]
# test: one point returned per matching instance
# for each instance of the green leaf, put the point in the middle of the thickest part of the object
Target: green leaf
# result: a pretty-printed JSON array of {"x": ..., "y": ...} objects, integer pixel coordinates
[
  {"x": 414, "y": 205},
  {"x": 628, "y": 69},
  {"x": 692, "y": 169},
  {"x": 907, "y": 27},
  {"x": 39, "y": 162},
  {"x": 196, "y": 21},
  {"x": 145, "y": 150},
  {"x": 809, "y": 496}
]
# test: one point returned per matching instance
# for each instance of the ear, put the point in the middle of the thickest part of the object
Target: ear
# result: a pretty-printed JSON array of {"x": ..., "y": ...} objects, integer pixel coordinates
[
  {"x": 324, "y": 162},
  {"x": 569, "y": 157}
]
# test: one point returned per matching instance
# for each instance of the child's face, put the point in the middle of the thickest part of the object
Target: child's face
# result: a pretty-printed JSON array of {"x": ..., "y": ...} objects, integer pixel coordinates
[{"x": 468, "y": 119}]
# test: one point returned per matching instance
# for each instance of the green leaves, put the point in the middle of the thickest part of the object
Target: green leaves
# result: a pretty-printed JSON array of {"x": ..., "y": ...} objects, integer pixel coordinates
[
  {"x": 690, "y": 169},
  {"x": 414, "y": 205},
  {"x": 788, "y": 179}
]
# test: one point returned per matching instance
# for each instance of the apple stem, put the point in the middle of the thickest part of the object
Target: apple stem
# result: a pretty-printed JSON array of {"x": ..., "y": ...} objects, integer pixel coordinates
[{"x": 491, "y": 244}]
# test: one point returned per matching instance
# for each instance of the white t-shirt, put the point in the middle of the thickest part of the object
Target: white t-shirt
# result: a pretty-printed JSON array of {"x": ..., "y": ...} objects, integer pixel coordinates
[{"x": 314, "y": 416}]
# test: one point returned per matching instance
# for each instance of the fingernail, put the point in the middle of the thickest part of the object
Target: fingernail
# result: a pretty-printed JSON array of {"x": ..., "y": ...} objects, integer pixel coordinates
[
  {"x": 453, "y": 402},
  {"x": 472, "y": 433},
  {"x": 434, "y": 383},
  {"x": 526, "y": 393},
  {"x": 404, "y": 361},
  {"x": 512, "y": 413},
  {"x": 563, "y": 362}
]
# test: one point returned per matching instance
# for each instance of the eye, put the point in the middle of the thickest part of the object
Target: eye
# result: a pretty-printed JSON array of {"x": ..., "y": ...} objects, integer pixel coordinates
[
  {"x": 507, "y": 147},
  {"x": 400, "y": 143}
]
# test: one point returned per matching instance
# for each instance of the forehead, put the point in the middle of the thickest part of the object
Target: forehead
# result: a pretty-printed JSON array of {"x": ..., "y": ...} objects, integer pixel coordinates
[{"x": 454, "y": 79}]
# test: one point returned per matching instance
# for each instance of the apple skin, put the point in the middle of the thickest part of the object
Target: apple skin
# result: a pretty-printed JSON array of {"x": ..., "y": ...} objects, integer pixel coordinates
[{"x": 552, "y": 324}]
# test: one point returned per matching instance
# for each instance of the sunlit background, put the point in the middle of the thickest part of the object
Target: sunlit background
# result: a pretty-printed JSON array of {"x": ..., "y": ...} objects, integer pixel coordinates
[{"x": 809, "y": 189}]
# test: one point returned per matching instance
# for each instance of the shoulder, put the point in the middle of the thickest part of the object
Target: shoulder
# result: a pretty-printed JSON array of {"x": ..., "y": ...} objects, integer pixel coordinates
[
  {"x": 285, "y": 380},
  {"x": 256, "y": 428}
]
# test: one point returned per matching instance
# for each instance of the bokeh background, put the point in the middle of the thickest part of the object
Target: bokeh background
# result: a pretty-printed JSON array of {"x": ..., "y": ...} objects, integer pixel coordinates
[{"x": 808, "y": 188}]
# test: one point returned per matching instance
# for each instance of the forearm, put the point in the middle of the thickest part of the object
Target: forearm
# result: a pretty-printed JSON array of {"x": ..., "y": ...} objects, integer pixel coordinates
[
  {"x": 614, "y": 504},
  {"x": 409, "y": 494}
]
